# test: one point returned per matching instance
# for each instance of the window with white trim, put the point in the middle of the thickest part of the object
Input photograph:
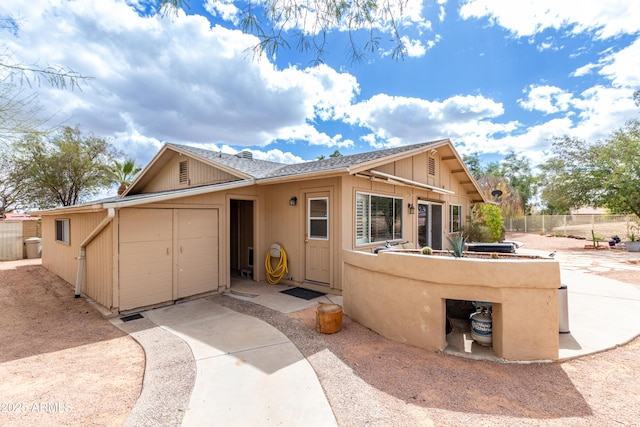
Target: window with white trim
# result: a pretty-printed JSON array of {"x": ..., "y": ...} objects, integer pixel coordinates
[
  {"x": 318, "y": 218},
  {"x": 455, "y": 218},
  {"x": 378, "y": 218},
  {"x": 62, "y": 230}
]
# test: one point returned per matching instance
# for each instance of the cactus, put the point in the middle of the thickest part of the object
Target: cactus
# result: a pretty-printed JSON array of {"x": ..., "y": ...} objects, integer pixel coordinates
[
  {"x": 457, "y": 246},
  {"x": 494, "y": 255},
  {"x": 427, "y": 251}
]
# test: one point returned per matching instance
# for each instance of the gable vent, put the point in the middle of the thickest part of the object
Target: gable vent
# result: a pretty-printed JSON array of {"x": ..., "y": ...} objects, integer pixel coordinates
[
  {"x": 245, "y": 155},
  {"x": 184, "y": 172},
  {"x": 432, "y": 166}
]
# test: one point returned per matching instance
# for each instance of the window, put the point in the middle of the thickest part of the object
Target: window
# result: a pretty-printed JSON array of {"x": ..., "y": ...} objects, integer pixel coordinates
[
  {"x": 378, "y": 218},
  {"x": 319, "y": 218},
  {"x": 62, "y": 230},
  {"x": 455, "y": 218}
]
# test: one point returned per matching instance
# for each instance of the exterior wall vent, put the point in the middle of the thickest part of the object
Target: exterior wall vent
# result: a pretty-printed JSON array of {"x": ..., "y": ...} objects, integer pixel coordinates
[
  {"x": 432, "y": 166},
  {"x": 184, "y": 172},
  {"x": 245, "y": 155}
]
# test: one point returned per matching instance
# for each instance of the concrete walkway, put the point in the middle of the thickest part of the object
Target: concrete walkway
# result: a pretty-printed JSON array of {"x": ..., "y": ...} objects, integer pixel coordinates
[
  {"x": 248, "y": 372},
  {"x": 603, "y": 314}
]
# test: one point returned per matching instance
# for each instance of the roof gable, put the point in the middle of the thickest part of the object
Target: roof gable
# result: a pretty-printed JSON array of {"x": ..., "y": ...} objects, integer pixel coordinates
[{"x": 231, "y": 168}]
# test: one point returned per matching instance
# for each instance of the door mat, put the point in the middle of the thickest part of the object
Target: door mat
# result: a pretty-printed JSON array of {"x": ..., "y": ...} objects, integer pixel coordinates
[{"x": 305, "y": 294}]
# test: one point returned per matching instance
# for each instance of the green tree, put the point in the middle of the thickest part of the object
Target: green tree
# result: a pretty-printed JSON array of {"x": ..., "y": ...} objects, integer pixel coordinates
[
  {"x": 65, "y": 169},
  {"x": 553, "y": 195},
  {"x": 472, "y": 161},
  {"x": 123, "y": 173},
  {"x": 12, "y": 192},
  {"x": 601, "y": 174},
  {"x": 517, "y": 171},
  {"x": 308, "y": 24},
  {"x": 513, "y": 177}
]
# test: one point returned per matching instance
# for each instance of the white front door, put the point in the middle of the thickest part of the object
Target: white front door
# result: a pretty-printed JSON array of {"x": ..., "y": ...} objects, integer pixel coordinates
[{"x": 317, "y": 243}]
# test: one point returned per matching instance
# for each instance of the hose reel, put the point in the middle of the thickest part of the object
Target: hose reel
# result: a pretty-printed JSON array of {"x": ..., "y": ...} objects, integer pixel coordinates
[{"x": 277, "y": 273}]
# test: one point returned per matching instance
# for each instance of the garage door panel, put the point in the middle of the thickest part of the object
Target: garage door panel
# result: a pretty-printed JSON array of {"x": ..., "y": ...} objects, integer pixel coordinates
[
  {"x": 196, "y": 223},
  {"x": 144, "y": 225},
  {"x": 146, "y": 257},
  {"x": 198, "y": 252}
]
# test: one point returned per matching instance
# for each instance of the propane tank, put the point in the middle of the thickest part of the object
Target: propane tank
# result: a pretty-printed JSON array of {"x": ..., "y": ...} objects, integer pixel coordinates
[{"x": 481, "y": 327}]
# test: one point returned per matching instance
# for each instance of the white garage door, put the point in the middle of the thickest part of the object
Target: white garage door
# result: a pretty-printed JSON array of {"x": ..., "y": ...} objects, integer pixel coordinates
[{"x": 166, "y": 254}]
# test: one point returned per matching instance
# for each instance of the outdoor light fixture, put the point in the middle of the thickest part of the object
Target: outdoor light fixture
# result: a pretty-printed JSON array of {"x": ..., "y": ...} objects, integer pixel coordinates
[
  {"x": 293, "y": 201},
  {"x": 412, "y": 208}
]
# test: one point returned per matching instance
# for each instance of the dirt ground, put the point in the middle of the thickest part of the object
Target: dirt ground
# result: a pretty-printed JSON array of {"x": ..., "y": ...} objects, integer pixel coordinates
[
  {"x": 61, "y": 362},
  {"x": 407, "y": 386}
]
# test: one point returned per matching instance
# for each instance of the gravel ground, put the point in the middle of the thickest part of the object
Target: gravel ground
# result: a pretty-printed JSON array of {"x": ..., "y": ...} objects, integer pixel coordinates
[
  {"x": 372, "y": 381},
  {"x": 368, "y": 380},
  {"x": 61, "y": 363}
]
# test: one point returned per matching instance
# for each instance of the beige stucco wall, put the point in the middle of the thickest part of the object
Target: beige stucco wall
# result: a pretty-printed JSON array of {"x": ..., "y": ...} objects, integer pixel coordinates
[{"x": 402, "y": 296}]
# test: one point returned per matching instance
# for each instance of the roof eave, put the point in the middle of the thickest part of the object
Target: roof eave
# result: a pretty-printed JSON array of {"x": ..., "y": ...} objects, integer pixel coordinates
[
  {"x": 303, "y": 176},
  {"x": 361, "y": 167},
  {"x": 69, "y": 210},
  {"x": 196, "y": 191},
  {"x": 210, "y": 162}
]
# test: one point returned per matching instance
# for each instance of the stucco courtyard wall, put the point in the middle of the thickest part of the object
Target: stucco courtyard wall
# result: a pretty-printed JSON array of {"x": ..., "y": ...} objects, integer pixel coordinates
[{"x": 402, "y": 296}]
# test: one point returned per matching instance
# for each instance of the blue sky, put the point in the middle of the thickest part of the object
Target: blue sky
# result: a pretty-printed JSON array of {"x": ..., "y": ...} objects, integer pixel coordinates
[{"x": 491, "y": 75}]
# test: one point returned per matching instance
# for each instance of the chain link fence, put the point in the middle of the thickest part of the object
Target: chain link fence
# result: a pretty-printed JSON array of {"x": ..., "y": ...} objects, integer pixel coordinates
[{"x": 578, "y": 225}]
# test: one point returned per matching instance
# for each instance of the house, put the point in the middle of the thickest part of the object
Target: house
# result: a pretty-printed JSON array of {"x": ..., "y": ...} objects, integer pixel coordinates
[{"x": 195, "y": 218}]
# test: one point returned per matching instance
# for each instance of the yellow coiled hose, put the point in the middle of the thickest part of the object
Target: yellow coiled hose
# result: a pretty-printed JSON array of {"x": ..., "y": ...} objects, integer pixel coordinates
[{"x": 275, "y": 275}]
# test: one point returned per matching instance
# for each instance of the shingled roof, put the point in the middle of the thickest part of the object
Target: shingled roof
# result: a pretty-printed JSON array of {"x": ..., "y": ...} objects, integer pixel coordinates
[{"x": 262, "y": 169}]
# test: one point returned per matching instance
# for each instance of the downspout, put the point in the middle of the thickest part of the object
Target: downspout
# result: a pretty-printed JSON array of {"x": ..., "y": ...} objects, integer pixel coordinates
[{"x": 83, "y": 248}]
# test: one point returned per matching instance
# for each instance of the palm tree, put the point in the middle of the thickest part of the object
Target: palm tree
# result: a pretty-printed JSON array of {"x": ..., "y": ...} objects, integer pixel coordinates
[{"x": 124, "y": 173}]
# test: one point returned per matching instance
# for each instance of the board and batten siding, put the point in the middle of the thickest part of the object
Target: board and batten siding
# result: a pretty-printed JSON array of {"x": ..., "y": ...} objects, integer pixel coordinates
[
  {"x": 61, "y": 258},
  {"x": 98, "y": 272},
  {"x": 197, "y": 173}
]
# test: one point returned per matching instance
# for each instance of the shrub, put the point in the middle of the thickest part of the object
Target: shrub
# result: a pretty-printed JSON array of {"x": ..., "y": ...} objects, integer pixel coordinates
[
  {"x": 489, "y": 217},
  {"x": 475, "y": 232}
]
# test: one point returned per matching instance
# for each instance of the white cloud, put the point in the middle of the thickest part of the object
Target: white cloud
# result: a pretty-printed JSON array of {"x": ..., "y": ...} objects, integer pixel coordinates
[
  {"x": 593, "y": 115},
  {"x": 546, "y": 99},
  {"x": 226, "y": 9},
  {"x": 528, "y": 17},
  {"x": 622, "y": 67},
  {"x": 584, "y": 70},
  {"x": 401, "y": 120},
  {"x": 178, "y": 80},
  {"x": 415, "y": 48}
]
